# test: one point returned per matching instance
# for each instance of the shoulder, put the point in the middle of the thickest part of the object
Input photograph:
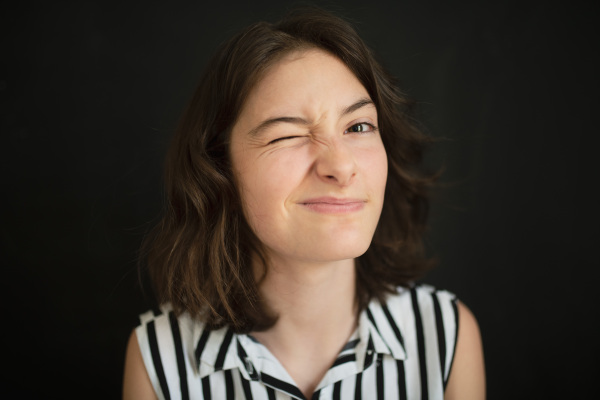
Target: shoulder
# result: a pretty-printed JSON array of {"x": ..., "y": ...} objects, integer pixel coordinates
[
  {"x": 426, "y": 321},
  {"x": 467, "y": 378},
  {"x": 421, "y": 293},
  {"x": 163, "y": 324},
  {"x": 422, "y": 303},
  {"x": 136, "y": 382},
  {"x": 437, "y": 326},
  {"x": 162, "y": 333},
  {"x": 166, "y": 346},
  {"x": 425, "y": 315}
]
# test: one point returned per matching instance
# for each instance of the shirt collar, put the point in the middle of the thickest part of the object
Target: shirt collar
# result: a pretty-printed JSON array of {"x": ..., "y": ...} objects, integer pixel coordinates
[
  {"x": 384, "y": 329},
  {"x": 215, "y": 350},
  {"x": 377, "y": 333}
]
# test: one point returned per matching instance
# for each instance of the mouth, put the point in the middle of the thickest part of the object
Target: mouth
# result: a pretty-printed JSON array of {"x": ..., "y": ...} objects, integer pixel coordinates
[{"x": 332, "y": 205}]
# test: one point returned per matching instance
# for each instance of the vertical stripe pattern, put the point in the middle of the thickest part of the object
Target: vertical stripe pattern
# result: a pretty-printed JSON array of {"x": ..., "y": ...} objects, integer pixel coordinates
[
  {"x": 441, "y": 337},
  {"x": 380, "y": 383},
  {"x": 156, "y": 360},
  {"x": 401, "y": 380},
  {"x": 183, "y": 386},
  {"x": 403, "y": 349},
  {"x": 206, "y": 388},
  {"x": 420, "y": 344}
]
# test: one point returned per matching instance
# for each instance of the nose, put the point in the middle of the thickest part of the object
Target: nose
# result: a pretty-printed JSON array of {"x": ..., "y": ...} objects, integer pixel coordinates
[{"x": 336, "y": 164}]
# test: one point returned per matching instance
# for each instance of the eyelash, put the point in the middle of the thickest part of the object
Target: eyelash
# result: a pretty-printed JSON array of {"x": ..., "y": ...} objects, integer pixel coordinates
[
  {"x": 282, "y": 138},
  {"x": 372, "y": 128}
]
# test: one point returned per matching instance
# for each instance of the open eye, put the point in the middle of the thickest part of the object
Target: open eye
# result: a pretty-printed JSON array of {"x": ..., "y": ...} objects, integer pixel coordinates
[{"x": 361, "y": 127}]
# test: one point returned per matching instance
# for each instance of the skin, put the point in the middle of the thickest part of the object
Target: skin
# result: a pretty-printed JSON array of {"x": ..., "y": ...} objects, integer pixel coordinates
[
  {"x": 136, "y": 382},
  {"x": 311, "y": 169},
  {"x": 312, "y": 185},
  {"x": 467, "y": 376},
  {"x": 312, "y": 151}
]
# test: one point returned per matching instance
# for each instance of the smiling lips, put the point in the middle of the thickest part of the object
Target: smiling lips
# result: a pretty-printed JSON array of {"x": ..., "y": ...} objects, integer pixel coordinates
[{"x": 332, "y": 205}]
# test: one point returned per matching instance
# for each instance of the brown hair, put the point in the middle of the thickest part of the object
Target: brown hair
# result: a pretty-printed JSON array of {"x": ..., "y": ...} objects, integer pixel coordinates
[{"x": 199, "y": 254}]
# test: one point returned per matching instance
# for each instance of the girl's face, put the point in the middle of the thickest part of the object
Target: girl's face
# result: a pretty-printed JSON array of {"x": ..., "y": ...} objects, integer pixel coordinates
[{"x": 309, "y": 161}]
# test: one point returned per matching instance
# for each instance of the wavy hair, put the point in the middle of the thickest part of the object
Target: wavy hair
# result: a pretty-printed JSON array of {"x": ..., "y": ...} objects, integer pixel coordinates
[{"x": 199, "y": 255}]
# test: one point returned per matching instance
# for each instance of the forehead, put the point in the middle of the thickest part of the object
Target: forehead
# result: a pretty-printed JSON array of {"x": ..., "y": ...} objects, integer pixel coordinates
[{"x": 303, "y": 78}]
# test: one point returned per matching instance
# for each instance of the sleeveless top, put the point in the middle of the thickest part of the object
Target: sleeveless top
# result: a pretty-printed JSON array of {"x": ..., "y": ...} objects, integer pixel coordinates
[{"x": 402, "y": 349}]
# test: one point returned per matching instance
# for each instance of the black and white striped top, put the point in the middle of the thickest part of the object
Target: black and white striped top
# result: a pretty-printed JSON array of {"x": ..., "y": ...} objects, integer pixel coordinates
[{"x": 402, "y": 349}]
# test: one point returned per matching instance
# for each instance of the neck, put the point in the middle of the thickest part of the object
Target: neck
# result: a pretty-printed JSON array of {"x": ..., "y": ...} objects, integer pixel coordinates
[
  {"x": 316, "y": 309},
  {"x": 304, "y": 294}
]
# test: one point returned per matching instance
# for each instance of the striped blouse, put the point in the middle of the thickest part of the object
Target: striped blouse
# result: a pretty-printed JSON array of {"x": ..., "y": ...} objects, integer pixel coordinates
[{"x": 402, "y": 349}]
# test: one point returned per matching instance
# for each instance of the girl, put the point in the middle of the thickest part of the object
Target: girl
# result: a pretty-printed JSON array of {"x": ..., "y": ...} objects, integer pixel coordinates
[{"x": 287, "y": 256}]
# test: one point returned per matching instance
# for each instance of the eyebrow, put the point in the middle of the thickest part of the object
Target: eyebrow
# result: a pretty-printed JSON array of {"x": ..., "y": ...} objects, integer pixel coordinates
[
  {"x": 272, "y": 121},
  {"x": 358, "y": 105},
  {"x": 302, "y": 121}
]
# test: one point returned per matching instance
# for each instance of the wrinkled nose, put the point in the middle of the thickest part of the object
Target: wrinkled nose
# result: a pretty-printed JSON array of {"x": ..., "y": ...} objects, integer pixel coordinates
[{"x": 336, "y": 164}]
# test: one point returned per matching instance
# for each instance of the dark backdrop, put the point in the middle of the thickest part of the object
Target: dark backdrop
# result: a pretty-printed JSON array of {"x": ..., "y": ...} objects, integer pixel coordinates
[{"x": 90, "y": 93}]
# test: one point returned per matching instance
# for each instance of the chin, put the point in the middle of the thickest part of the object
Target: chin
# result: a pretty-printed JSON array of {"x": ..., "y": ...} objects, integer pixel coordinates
[{"x": 337, "y": 252}]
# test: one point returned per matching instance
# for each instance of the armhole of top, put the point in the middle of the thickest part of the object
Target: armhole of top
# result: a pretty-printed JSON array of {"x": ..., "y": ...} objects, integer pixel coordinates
[
  {"x": 453, "y": 354},
  {"x": 144, "y": 344}
]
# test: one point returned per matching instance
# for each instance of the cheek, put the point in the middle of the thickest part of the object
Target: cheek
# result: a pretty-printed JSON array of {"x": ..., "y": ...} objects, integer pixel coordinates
[
  {"x": 267, "y": 184},
  {"x": 376, "y": 168},
  {"x": 383, "y": 173},
  {"x": 256, "y": 203},
  {"x": 276, "y": 175}
]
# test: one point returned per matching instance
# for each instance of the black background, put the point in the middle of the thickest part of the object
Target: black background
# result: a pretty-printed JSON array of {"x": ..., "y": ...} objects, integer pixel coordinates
[{"x": 90, "y": 92}]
